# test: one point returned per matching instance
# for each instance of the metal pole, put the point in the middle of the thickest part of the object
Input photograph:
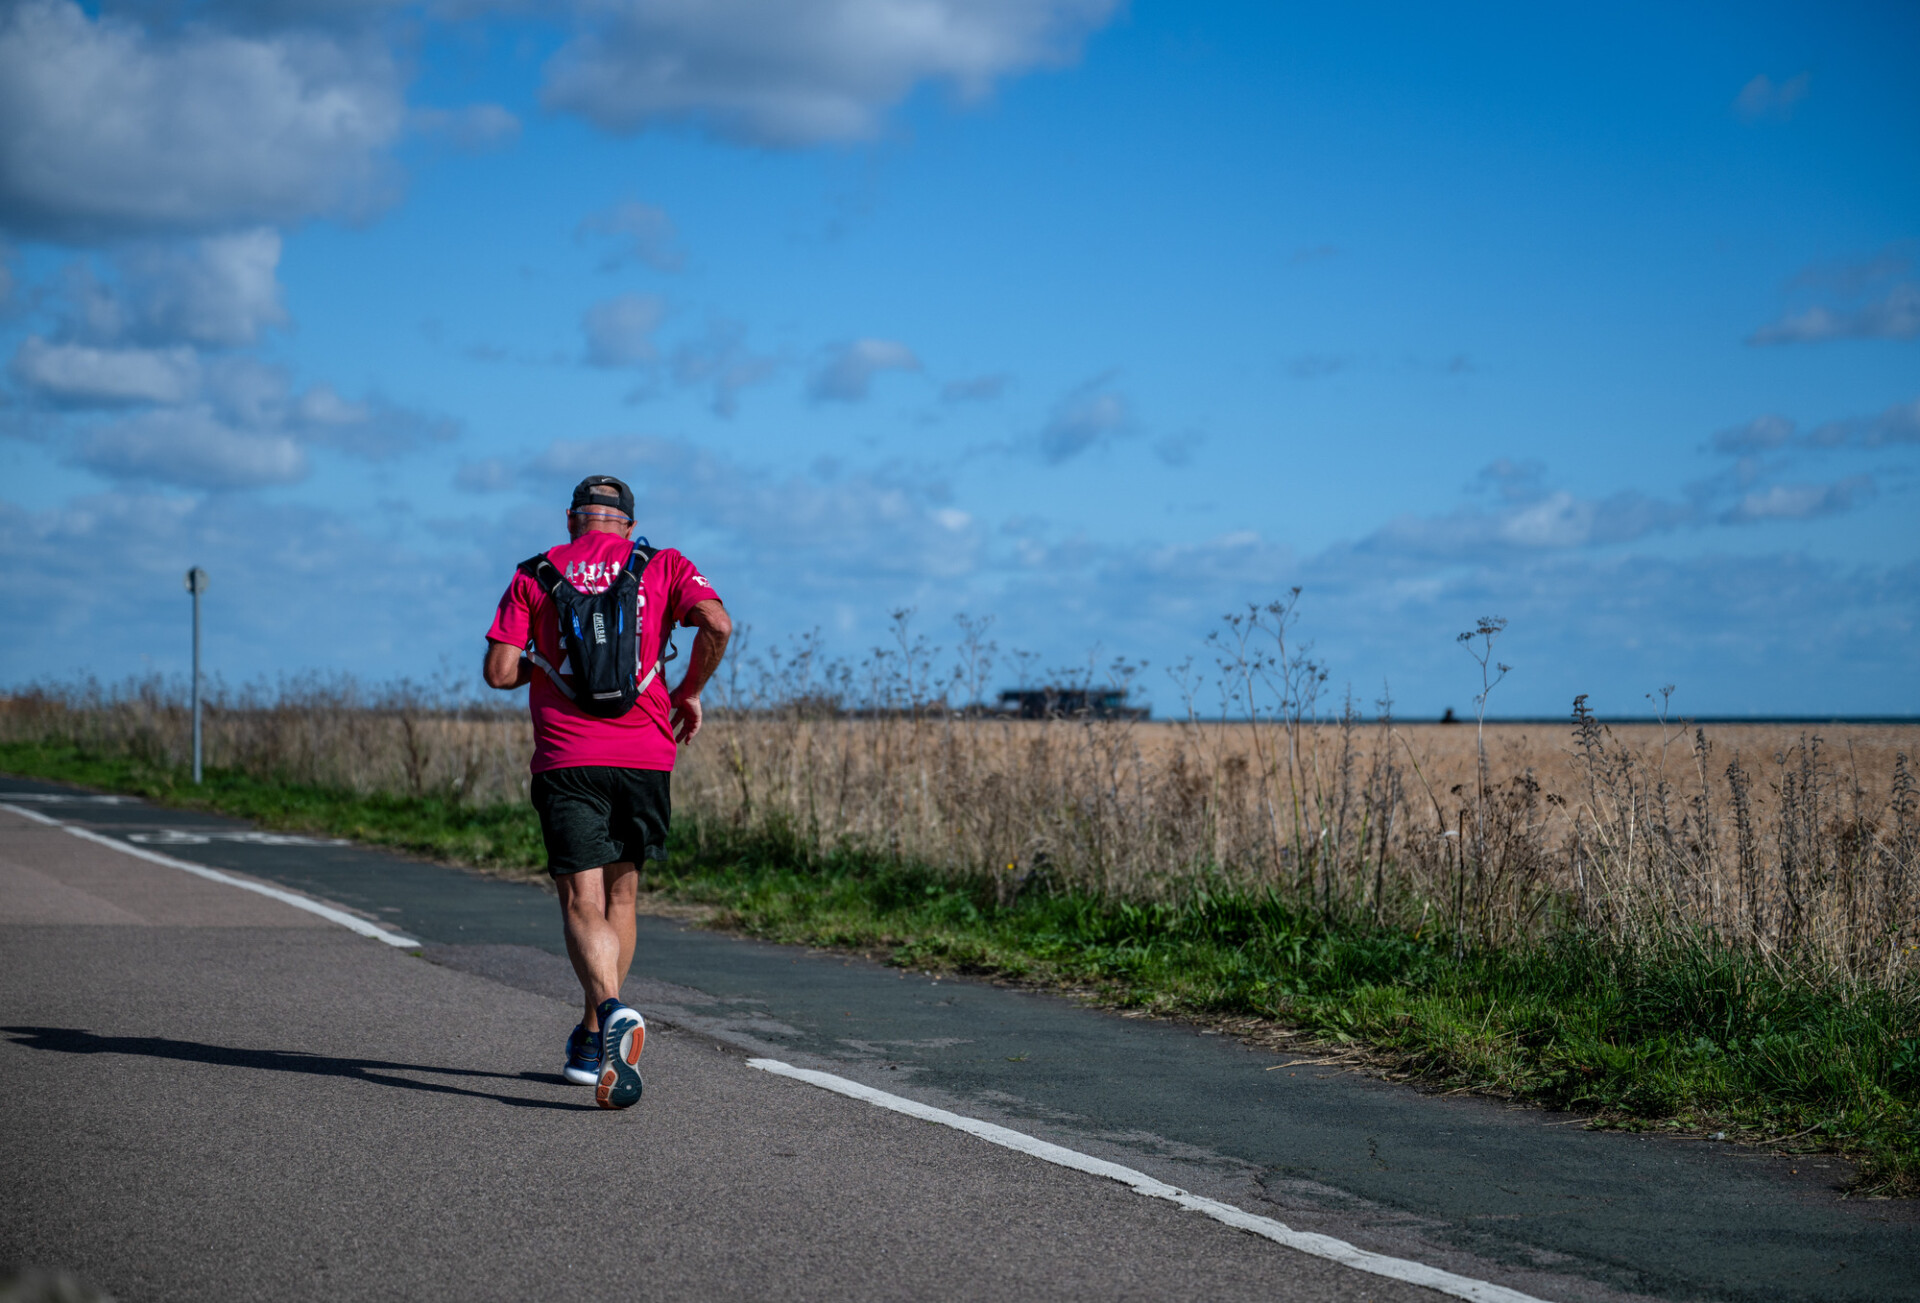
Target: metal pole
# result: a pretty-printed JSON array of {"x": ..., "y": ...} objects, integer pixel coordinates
[
  {"x": 196, "y": 686},
  {"x": 196, "y": 584}
]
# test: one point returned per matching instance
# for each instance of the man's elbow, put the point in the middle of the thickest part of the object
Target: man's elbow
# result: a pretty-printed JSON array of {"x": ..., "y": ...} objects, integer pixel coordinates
[
  {"x": 501, "y": 669},
  {"x": 713, "y": 617}
]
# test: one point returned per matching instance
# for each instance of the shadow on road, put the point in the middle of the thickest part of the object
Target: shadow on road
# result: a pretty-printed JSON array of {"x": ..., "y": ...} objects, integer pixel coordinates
[{"x": 74, "y": 1040}]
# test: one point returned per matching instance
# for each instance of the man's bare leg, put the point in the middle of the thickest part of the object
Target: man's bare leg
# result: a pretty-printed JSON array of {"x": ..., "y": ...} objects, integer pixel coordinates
[{"x": 596, "y": 909}]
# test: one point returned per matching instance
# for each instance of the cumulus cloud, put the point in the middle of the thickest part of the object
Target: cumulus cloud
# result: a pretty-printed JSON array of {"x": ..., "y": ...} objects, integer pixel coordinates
[
  {"x": 110, "y": 129},
  {"x": 373, "y": 429},
  {"x": 222, "y": 290},
  {"x": 1761, "y": 434},
  {"x": 847, "y": 376},
  {"x": 1529, "y": 517},
  {"x": 1869, "y": 299},
  {"x": 191, "y": 448},
  {"x": 1513, "y": 481},
  {"x": 1547, "y": 522},
  {"x": 488, "y": 475},
  {"x": 1849, "y": 277},
  {"x": 281, "y": 570},
  {"x": 1800, "y": 501},
  {"x": 1896, "y": 315},
  {"x": 472, "y": 128},
  {"x": 798, "y": 72},
  {"x": 1091, "y": 415},
  {"x": 619, "y": 331},
  {"x": 1317, "y": 366},
  {"x": 1763, "y": 98},
  {"x": 1899, "y": 423},
  {"x": 721, "y": 359},
  {"x": 857, "y": 526},
  {"x": 974, "y": 389},
  {"x": 643, "y": 233},
  {"x": 76, "y": 375},
  {"x": 1178, "y": 449}
]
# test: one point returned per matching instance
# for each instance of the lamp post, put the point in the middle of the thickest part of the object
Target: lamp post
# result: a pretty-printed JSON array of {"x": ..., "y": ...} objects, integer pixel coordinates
[{"x": 196, "y": 584}]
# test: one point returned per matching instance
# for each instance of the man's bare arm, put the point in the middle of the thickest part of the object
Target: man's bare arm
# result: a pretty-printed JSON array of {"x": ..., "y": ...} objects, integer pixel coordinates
[
  {"x": 714, "y": 627},
  {"x": 505, "y": 666}
]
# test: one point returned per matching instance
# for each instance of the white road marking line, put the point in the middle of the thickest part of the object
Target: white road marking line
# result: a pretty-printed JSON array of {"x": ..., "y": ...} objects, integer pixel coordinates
[
  {"x": 328, "y": 912},
  {"x": 1320, "y": 1246}
]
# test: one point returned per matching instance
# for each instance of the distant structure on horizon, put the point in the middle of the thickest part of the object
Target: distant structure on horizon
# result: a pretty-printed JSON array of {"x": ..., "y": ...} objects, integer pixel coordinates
[{"x": 1069, "y": 703}]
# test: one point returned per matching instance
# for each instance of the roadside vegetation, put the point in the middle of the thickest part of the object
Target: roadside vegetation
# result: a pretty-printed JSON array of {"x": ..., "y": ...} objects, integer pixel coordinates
[{"x": 1632, "y": 923}]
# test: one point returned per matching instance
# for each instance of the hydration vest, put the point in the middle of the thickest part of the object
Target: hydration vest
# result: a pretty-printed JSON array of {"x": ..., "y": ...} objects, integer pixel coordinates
[{"x": 600, "y": 635}]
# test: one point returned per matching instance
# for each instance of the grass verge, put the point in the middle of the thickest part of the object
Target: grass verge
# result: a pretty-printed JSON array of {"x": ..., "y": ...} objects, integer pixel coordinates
[
  {"x": 436, "y": 827},
  {"x": 1697, "y": 1039}
]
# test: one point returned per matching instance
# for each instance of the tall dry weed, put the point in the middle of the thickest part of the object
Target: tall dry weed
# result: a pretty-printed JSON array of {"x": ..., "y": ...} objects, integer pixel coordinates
[{"x": 1651, "y": 836}]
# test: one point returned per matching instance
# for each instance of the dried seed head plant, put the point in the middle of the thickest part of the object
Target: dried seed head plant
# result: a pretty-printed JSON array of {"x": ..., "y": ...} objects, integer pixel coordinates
[{"x": 1648, "y": 835}]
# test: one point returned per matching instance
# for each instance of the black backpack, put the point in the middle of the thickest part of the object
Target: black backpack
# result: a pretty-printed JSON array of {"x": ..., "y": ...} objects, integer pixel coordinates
[{"x": 600, "y": 636}]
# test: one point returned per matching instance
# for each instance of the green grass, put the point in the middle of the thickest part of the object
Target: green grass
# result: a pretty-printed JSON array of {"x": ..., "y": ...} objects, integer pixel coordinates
[
  {"x": 1697, "y": 1038},
  {"x": 437, "y": 826}
]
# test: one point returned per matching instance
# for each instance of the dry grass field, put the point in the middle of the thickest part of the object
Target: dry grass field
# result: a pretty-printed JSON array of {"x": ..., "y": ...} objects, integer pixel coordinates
[{"x": 1794, "y": 839}]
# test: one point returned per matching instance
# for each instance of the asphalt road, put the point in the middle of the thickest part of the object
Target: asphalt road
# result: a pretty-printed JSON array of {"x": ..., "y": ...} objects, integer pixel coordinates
[{"x": 247, "y": 1097}]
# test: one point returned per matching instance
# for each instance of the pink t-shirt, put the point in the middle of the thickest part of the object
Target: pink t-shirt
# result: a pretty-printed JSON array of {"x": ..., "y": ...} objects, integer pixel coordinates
[{"x": 564, "y": 735}]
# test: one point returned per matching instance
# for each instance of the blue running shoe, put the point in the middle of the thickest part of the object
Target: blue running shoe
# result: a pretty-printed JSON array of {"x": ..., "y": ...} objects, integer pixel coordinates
[
  {"x": 623, "y": 1032},
  {"x": 583, "y": 1057}
]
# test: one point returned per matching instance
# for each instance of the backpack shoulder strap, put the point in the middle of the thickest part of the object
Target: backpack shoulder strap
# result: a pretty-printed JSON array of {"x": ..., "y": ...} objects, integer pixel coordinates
[
  {"x": 543, "y": 572},
  {"x": 548, "y": 577}
]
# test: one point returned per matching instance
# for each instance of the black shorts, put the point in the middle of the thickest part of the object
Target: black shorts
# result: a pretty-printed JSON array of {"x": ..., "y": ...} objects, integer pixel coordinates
[{"x": 592, "y": 815}]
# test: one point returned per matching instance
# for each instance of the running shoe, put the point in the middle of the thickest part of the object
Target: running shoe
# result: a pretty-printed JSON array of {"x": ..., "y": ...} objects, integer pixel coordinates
[
  {"x": 623, "y": 1032},
  {"x": 583, "y": 1057}
]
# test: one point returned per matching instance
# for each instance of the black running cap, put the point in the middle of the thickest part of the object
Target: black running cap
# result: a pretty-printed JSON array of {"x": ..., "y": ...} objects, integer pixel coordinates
[{"x": 603, "y": 491}]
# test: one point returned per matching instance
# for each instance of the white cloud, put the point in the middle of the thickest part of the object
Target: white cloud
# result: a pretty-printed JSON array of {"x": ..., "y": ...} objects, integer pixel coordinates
[
  {"x": 1801, "y": 501},
  {"x": 848, "y": 375},
  {"x": 373, "y": 429},
  {"x": 472, "y": 128},
  {"x": 798, "y": 72},
  {"x": 1317, "y": 366},
  {"x": 1896, "y": 315},
  {"x": 1765, "y": 98},
  {"x": 619, "y": 331},
  {"x": 192, "y": 448},
  {"x": 974, "y": 389},
  {"x": 1090, "y": 415},
  {"x": 1761, "y": 434},
  {"x": 221, "y": 291},
  {"x": 108, "y": 129},
  {"x": 645, "y": 233},
  {"x": 1849, "y": 277},
  {"x": 855, "y": 528},
  {"x": 1899, "y": 423},
  {"x": 1527, "y": 522},
  {"x": 488, "y": 475},
  {"x": 280, "y": 571},
  {"x": 721, "y": 358},
  {"x": 1178, "y": 449},
  {"x": 76, "y": 375}
]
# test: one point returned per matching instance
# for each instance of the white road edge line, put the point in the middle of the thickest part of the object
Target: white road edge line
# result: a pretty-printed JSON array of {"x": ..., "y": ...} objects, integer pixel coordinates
[
  {"x": 328, "y": 912},
  {"x": 1320, "y": 1246}
]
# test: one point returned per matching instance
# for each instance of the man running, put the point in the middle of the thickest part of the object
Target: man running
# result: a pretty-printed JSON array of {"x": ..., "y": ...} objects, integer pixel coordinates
[{"x": 601, "y": 785}]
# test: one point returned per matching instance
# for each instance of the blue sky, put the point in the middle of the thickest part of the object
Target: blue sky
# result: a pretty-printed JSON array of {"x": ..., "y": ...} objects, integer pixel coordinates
[{"x": 1100, "y": 319}]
